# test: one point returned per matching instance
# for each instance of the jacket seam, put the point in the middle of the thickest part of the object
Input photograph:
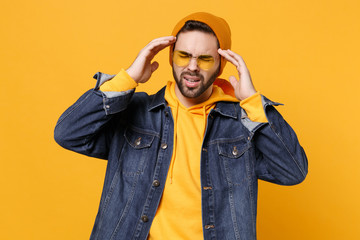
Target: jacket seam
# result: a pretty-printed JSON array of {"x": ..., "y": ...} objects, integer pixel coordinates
[{"x": 287, "y": 149}]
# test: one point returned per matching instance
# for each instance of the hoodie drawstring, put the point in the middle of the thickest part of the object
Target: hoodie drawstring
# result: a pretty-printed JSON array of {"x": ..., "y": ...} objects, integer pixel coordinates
[{"x": 175, "y": 140}]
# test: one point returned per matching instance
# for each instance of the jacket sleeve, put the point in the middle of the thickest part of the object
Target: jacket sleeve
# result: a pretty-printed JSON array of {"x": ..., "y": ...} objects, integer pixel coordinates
[
  {"x": 88, "y": 125},
  {"x": 279, "y": 157}
]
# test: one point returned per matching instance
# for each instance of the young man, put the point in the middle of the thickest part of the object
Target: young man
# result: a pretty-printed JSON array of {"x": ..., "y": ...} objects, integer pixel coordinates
[{"x": 183, "y": 163}]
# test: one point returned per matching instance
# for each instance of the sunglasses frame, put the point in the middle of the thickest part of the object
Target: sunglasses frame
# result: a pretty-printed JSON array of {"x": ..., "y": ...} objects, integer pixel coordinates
[{"x": 200, "y": 60}]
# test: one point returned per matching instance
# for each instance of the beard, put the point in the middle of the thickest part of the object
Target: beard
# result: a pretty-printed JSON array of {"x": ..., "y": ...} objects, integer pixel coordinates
[{"x": 197, "y": 91}]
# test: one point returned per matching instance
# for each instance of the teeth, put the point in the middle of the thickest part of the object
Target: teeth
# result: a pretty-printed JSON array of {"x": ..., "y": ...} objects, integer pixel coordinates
[{"x": 190, "y": 80}]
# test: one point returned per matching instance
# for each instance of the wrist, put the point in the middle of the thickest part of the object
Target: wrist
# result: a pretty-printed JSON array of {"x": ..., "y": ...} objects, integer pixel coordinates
[
  {"x": 247, "y": 95},
  {"x": 132, "y": 75}
]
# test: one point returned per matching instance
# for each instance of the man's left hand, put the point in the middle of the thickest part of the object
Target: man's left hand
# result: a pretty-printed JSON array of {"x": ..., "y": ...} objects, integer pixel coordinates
[{"x": 243, "y": 87}]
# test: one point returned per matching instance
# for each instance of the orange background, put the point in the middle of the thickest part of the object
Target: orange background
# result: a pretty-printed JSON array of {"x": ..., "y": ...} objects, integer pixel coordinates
[{"x": 302, "y": 53}]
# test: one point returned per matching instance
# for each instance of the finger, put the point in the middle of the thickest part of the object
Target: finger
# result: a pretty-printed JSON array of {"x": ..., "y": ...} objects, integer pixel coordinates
[
  {"x": 161, "y": 41},
  {"x": 233, "y": 81},
  {"x": 155, "y": 47},
  {"x": 228, "y": 57},
  {"x": 163, "y": 38},
  {"x": 158, "y": 46},
  {"x": 238, "y": 58},
  {"x": 154, "y": 66}
]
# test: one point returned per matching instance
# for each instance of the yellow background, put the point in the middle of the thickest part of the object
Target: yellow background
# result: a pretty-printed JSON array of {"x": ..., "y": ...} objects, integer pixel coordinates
[{"x": 305, "y": 54}]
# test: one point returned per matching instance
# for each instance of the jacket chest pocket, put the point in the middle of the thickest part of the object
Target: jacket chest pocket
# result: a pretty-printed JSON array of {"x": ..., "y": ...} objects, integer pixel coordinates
[
  {"x": 233, "y": 155},
  {"x": 135, "y": 151}
]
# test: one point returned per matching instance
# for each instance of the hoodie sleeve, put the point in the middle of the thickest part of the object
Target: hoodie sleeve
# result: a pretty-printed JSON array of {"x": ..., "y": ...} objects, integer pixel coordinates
[
  {"x": 120, "y": 83},
  {"x": 253, "y": 106}
]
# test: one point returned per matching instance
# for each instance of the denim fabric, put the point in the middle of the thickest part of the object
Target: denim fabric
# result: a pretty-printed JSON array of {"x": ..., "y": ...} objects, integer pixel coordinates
[{"x": 134, "y": 132}]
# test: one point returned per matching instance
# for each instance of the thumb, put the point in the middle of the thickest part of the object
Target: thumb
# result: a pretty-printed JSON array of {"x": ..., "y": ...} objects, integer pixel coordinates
[
  {"x": 233, "y": 81},
  {"x": 154, "y": 66}
]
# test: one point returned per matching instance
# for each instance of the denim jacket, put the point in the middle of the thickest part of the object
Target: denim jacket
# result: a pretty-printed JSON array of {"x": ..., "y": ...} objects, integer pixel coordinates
[{"x": 134, "y": 132}]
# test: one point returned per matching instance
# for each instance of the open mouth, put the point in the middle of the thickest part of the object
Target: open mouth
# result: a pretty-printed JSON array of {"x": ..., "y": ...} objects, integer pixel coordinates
[{"x": 191, "y": 81}]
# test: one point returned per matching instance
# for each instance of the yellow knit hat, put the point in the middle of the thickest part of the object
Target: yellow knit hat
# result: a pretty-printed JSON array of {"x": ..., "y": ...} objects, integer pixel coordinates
[{"x": 217, "y": 24}]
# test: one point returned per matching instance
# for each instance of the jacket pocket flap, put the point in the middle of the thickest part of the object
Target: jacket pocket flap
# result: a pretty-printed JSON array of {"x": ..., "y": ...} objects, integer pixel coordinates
[
  {"x": 138, "y": 140},
  {"x": 233, "y": 149}
]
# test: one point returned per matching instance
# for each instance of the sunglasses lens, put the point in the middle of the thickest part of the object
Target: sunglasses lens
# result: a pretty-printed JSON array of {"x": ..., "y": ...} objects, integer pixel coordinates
[
  {"x": 182, "y": 59},
  {"x": 206, "y": 63}
]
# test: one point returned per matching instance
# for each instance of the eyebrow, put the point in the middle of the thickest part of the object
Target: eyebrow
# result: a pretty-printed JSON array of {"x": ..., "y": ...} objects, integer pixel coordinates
[{"x": 202, "y": 55}]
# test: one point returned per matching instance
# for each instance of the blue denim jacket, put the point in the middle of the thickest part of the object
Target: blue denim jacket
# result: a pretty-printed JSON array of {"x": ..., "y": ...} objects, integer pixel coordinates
[{"x": 134, "y": 132}]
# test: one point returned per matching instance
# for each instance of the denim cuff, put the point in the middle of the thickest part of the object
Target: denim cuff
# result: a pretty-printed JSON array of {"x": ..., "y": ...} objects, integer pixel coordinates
[
  {"x": 253, "y": 126},
  {"x": 113, "y": 102},
  {"x": 103, "y": 77}
]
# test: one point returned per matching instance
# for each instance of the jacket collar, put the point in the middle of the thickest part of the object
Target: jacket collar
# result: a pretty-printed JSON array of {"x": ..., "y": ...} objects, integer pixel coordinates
[
  {"x": 227, "y": 109},
  {"x": 158, "y": 100}
]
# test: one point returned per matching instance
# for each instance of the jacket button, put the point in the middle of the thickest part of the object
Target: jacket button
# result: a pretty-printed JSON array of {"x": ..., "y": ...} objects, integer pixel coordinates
[
  {"x": 209, "y": 226},
  {"x": 156, "y": 183},
  {"x": 138, "y": 141},
  {"x": 235, "y": 151},
  {"x": 164, "y": 146},
  {"x": 166, "y": 114},
  {"x": 144, "y": 218}
]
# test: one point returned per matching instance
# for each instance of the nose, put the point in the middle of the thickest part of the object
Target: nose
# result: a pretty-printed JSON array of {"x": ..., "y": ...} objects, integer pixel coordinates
[{"x": 193, "y": 65}]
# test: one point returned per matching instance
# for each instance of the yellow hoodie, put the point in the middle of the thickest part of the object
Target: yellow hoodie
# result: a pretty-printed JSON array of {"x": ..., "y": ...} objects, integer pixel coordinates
[{"x": 179, "y": 213}]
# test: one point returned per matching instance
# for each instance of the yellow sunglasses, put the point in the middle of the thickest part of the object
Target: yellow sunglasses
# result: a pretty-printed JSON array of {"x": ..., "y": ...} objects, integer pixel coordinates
[{"x": 182, "y": 59}]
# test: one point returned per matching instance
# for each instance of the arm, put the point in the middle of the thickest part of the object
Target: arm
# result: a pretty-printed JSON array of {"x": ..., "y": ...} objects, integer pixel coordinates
[
  {"x": 279, "y": 157},
  {"x": 88, "y": 125}
]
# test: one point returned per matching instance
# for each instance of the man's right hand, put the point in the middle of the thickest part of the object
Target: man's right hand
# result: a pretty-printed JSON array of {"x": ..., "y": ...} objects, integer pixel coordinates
[{"x": 142, "y": 68}]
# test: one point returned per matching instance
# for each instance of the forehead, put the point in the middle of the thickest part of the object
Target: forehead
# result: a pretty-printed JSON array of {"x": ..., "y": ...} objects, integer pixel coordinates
[{"x": 196, "y": 42}]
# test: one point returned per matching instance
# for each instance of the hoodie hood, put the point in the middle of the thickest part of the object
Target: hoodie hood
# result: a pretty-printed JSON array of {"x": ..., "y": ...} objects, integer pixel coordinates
[{"x": 222, "y": 91}]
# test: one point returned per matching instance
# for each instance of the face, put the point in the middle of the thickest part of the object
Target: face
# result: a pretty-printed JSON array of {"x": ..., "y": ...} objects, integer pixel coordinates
[{"x": 193, "y": 81}]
